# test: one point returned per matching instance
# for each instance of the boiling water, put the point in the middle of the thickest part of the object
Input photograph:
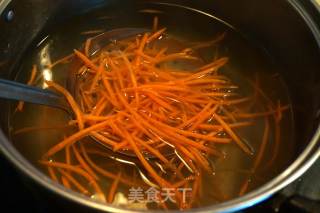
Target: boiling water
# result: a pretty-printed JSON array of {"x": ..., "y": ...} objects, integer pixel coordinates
[{"x": 246, "y": 59}]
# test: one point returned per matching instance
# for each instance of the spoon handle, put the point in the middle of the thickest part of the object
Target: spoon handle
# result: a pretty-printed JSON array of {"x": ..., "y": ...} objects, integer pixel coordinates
[{"x": 21, "y": 92}]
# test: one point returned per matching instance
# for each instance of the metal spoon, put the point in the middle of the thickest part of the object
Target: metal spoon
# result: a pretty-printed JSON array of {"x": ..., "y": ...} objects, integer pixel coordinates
[{"x": 21, "y": 92}]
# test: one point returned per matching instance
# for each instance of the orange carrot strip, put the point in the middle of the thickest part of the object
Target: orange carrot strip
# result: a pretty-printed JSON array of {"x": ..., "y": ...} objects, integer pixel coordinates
[
  {"x": 87, "y": 102},
  {"x": 33, "y": 75},
  {"x": 119, "y": 146},
  {"x": 135, "y": 115},
  {"x": 277, "y": 137},
  {"x": 72, "y": 168},
  {"x": 244, "y": 187},
  {"x": 63, "y": 60},
  {"x": 132, "y": 75},
  {"x": 70, "y": 100},
  {"x": 155, "y": 23},
  {"x": 228, "y": 114},
  {"x": 117, "y": 72},
  {"x": 110, "y": 91},
  {"x": 97, "y": 76},
  {"x": 179, "y": 138},
  {"x": 87, "y": 46},
  {"x": 65, "y": 182},
  {"x": 52, "y": 174},
  {"x": 260, "y": 114},
  {"x": 68, "y": 155},
  {"x": 30, "y": 82},
  {"x": 202, "y": 161},
  {"x": 203, "y": 117},
  {"x": 188, "y": 133},
  {"x": 279, "y": 112},
  {"x": 90, "y": 32},
  {"x": 86, "y": 61},
  {"x": 183, "y": 182},
  {"x": 153, "y": 173},
  {"x": 212, "y": 68},
  {"x": 260, "y": 91},
  {"x": 104, "y": 139},
  {"x": 194, "y": 118},
  {"x": 262, "y": 145},
  {"x": 82, "y": 162},
  {"x": 75, "y": 137},
  {"x": 73, "y": 181},
  {"x": 100, "y": 106},
  {"x": 113, "y": 188},
  {"x": 90, "y": 117},
  {"x": 209, "y": 43},
  {"x": 195, "y": 189},
  {"x": 186, "y": 152},
  {"x": 161, "y": 52},
  {"x": 220, "y": 128},
  {"x": 174, "y": 56},
  {"x": 103, "y": 171},
  {"x": 158, "y": 100},
  {"x": 39, "y": 128},
  {"x": 156, "y": 35},
  {"x": 141, "y": 48},
  {"x": 80, "y": 172},
  {"x": 209, "y": 81},
  {"x": 153, "y": 151},
  {"x": 226, "y": 127}
]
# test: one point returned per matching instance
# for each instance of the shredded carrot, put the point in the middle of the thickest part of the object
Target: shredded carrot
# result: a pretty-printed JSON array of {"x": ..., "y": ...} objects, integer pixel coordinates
[
  {"x": 63, "y": 60},
  {"x": 277, "y": 134},
  {"x": 87, "y": 46},
  {"x": 52, "y": 174},
  {"x": 101, "y": 170},
  {"x": 97, "y": 76},
  {"x": 147, "y": 166},
  {"x": 131, "y": 100},
  {"x": 104, "y": 139},
  {"x": 90, "y": 32},
  {"x": 30, "y": 82},
  {"x": 113, "y": 188},
  {"x": 244, "y": 187},
  {"x": 39, "y": 128},
  {"x": 71, "y": 101},
  {"x": 68, "y": 155},
  {"x": 156, "y": 35},
  {"x": 65, "y": 182},
  {"x": 78, "y": 171},
  {"x": 74, "y": 138},
  {"x": 261, "y": 114},
  {"x": 85, "y": 60},
  {"x": 83, "y": 163},
  {"x": 209, "y": 43},
  {"x": 74, "y": 182},
  {"x": 155, "y": 23},
  {"x": 241, "y": 144},
  {"x": 263, "y": 145},
  {"x": 257, "y": 161}
]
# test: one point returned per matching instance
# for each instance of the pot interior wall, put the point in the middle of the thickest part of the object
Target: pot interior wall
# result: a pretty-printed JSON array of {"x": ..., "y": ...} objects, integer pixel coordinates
[{"x": 275, "y": 26}]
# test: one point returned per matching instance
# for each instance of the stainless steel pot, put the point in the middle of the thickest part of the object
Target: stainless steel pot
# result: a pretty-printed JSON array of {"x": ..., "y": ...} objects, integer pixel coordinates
[{"x": 287, "y": 29}]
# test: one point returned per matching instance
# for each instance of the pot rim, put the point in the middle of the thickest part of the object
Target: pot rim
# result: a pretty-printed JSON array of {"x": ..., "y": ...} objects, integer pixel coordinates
[
  {"x": 3, "y": 5},
  {"x": 304, "y": 161}
]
